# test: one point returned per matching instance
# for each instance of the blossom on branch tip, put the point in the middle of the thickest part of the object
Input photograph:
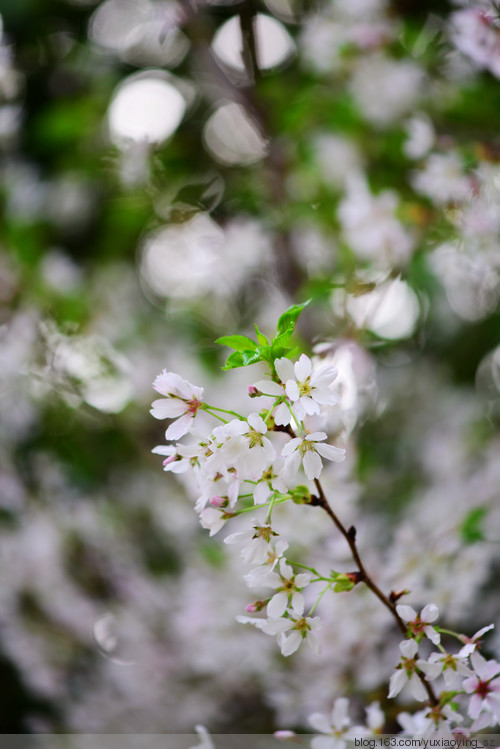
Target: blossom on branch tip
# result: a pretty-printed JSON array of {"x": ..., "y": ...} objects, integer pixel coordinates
[
  {"x": 308, "y": 451},
  {"x": 181, "y": 402},
  {"x": 419, "y": 624}
]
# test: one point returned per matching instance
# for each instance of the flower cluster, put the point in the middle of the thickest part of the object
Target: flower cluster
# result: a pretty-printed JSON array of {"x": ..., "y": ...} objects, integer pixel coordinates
[{"x": 252, "y": 462}]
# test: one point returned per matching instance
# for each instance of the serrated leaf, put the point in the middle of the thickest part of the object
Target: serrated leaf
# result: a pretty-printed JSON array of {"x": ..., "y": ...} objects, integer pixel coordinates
[
  {"x": 234, "y": 361},
  {"x": 472, "y": 526},
  {"x": 242, "y": 359},
  {"x": 238, "y": 342}
]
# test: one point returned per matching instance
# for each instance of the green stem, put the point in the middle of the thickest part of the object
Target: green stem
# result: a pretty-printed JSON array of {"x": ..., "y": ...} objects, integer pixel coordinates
[
  {"x": 311, "y": 612},
  {"x": 224, "y": 411}
]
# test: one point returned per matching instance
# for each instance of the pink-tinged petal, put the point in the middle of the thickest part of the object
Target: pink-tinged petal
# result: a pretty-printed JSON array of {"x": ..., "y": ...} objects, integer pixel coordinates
[
  {"x": 429, "y": 613},
  {"x": 277, "y": 605},
  {"x": 475, "y": 706},
  {"x": 330, "y": 452},
  {"x": 269, "y": 387},
  {"x": 309, "y": 406},
  {"x": 484, "y": 669},
  {"x": 291, "y": 446},
  {"x": 284, "y": 369},
  {"x": 291, "y": 643},
  {"x": 312, "y": 465},
  {"x": 297, "y": 603},
  {"x": 396, "y": 683},
  {"x": 168, "y": 408},
  {"x": 292, "y": 390},
  {"x": 407, "y": 613},
  {"x": 417, "y": 688},
  {"x": 320, "y": 723},
  {"x": 179, "y": 428},
  {"x": 470, "y": 684},
  {"x": 303, "y": 368},
  {"x": 282, "y": 415}
]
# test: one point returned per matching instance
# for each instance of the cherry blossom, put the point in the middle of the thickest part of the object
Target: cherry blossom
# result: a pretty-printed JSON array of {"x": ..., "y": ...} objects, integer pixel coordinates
[
  {"x": 484, "y": 686},
  {"x": 471, "y": 643},
  {"x": 181, "y": 402},
  {"x": 406, "y": 672},
  {"x": 452, "y": 667},
  {"x": 308, "y": 451},
  {"x": 419, "y": 624},
  {"x": 336, "y": 727},
  {"x": 288, "y": 587}
]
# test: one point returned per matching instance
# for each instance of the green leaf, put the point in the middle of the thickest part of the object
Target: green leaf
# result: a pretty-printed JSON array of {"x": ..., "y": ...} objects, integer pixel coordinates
[
  {"x": 242, "y": 359},
  {"x": 472, "y": 526},
  {"x": 238, "y": 342},
  {"x": 261, "y": 337},
  {"x": 286, "y": 323}
]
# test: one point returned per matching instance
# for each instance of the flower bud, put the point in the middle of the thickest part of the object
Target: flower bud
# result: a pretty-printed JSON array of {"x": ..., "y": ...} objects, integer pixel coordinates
[
  {"x": 253, "y": 392},
  {"x": 218, "y": 501}
]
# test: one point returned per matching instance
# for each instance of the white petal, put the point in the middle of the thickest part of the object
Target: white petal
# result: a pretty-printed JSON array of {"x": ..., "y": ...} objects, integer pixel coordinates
[
  {"x": 168, "y": 408},
  {"x": 284, "y": 368},
  {"x": 269, "y": 387},
  {"x": 309, "y": 406},
  {"x": 406, "y": 613},
  {"x": 277, "y": 605},
  {"x": 409, "y": 648},
  {"x": 433, "y": 636},
  {"x": 320, "y": 723},
  {"x": 312, "y": 465},
  {"x": 429, "y": 613},
  {"x": 340, "y": 718},
  {"x": 303, "y": 368},
  {"x": 397, "y": 682},
  {"x": 417, "y": 688},
  {"x": 313, "y": 643},
  {"x": 291, "y": 446},
  {"x": 261, "y": 493},
  {"x": 291, "y": 643},
  {"x": 257, "y": 423},
  {"x": 297, "y": 603},
  {"x": 282, "y": 415},
  {"x": 330, "y": 452},
  {"x": 292, "y": 390},
  {"x": 179, "y": 428}
]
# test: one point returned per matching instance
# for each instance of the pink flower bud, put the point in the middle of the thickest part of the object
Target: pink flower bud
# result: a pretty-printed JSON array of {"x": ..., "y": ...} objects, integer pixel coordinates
[
  {"x": 253, "y": 392},
  {"x": 170, "y": 459},
  {"x": 217, "y": 501},
  {"x": 251, "y": 608}
]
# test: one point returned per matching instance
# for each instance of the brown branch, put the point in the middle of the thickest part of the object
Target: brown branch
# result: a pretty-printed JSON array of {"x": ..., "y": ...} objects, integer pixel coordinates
[{"x": 350, "y": 536}]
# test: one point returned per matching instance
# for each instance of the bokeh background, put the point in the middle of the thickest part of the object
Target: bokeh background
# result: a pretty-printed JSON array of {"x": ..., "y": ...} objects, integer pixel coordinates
[{"x": 160, "y": 189}]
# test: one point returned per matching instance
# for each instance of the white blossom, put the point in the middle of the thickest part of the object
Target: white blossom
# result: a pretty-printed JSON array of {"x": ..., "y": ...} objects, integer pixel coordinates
[
  {"x": 181, "y": 402},
  {"x": 419, "y": 624},
  {"x": 308, "y": 451}
]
